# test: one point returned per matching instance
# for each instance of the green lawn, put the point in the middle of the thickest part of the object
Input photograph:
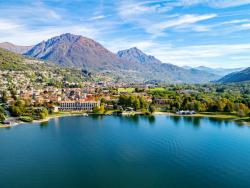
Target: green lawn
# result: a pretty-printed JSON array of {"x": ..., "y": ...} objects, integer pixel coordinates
[
  {"x": 159, "y": 89},
  {"x": 126, "y": 90}
]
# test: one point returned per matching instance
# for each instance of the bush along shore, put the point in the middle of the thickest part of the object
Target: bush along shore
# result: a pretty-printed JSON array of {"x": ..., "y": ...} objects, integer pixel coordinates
[
  {"x": 220, "y": 116},
  {"x": 229, "y": 102}
]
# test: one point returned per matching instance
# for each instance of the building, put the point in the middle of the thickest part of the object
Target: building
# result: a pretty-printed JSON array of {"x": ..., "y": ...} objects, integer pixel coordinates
[{"x": 78, "y": 105}]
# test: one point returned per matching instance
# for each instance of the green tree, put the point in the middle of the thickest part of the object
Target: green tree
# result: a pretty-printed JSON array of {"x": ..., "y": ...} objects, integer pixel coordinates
[
  {"x": 16, "y": 111},
  {"x": 151, "y": 108},
  {"x": 42, "y": 115},
  {"x": 2, "y": 117},
  {"x": 137, "y": 104},
  {"x": 99, "y": 110},
  {"x": 4, "y": 97},
  {"x": 45, "y": 112},
  {"x": 221, "y": 105},
  {"x": 229, "y": 107}
]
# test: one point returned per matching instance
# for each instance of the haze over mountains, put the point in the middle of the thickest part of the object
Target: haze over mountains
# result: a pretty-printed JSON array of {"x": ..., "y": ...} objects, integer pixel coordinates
[
  {"x": 131, "y": 65},
  {"x": 240, "y": 76},
  {"x": 15, "y": 48},
  {"x": 217, "y": 71}
]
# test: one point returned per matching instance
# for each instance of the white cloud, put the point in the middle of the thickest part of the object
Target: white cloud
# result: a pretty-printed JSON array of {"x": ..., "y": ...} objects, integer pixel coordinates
[
  {"x": 26, "y": 36},
  {"x": 216, "y": 3},
  {"x": 35, "y": 12},
  {"x": 227, "y": 3},
  {"x": 99, "y": 17},
  {"x": 7, "y": 25},
  {"x": 181, "y": 21},
  {"x": 127, "y": 9},
  {"x": 216, "y": 55},
  {"x": 246, "y": 26},
  {"x": 208, "y": 55}
]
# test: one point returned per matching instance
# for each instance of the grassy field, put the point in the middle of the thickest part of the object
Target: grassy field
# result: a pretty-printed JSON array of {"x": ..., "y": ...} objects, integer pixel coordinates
[
  {"x": 126, "y": 90},
  {"x": 158, "y": 89}
]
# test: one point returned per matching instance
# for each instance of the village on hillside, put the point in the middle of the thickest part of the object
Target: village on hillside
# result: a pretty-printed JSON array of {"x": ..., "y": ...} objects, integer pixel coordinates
[{"x": 24, "y": 100}]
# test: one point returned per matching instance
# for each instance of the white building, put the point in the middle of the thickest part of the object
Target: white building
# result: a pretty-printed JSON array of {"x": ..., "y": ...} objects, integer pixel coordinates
[{"x": 78, "y": 105}]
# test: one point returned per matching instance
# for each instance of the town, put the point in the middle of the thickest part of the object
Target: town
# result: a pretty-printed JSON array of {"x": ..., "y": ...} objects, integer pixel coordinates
[{"x": 23, "y": 99}]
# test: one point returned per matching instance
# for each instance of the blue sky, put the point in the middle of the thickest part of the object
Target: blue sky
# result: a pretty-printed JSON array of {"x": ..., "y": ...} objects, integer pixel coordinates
[{"x": 214, "y": 33}]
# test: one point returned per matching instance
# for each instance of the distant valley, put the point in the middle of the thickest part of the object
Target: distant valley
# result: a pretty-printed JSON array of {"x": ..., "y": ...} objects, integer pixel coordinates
[
  {"x": 15, "y": 48},
  {"x": 217, "y": 71},
  {"x": 240, "y": 76}
]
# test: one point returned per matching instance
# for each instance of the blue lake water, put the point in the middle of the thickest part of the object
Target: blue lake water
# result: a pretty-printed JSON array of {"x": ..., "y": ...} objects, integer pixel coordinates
[{"x": 112, "y": 151}]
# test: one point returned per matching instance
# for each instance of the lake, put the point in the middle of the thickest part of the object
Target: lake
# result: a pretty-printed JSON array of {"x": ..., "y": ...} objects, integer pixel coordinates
[{"x": 112, "y": 151}]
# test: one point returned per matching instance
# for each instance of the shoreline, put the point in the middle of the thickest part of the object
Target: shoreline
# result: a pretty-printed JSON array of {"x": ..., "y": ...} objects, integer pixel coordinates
[
  {"x": 53, "y": 116},
  {"x": 232, "y": 118},
  {"x": 229, "y": 117}
]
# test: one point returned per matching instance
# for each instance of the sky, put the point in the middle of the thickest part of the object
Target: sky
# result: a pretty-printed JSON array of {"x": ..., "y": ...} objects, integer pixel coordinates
[{"x": 213, "y": 33}]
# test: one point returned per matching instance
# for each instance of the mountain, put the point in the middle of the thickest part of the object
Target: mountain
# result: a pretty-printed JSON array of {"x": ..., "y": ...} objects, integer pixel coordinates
[
  {"x": 217, "y": 71},
  {"x": 136, "y": 55},
  {"x": 130, "y": 65},
  {"x": 156, "y": 70},
  {"x": 241, "y": 76},
  {"x": 33, "y": 69},
  {"x": 187, "y": 67},
  {"x": 15, "y": 48},
  {"x": 74, "y": 51}
]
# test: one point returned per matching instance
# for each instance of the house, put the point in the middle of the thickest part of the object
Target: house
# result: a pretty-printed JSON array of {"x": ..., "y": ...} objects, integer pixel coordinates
[
  {"x": 78, "y": 105},
  {"x": 186, "y": 112}
]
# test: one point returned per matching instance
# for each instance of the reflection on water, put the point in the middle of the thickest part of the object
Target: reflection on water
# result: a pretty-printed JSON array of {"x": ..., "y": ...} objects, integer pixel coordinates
[
  {"x": 44, "y": 124},
  {"x": 176, "y": 119},
  {"x": 97, "y": 117},
  {"x": 118, "y": 151},
  {"x": 151, "y": 119}
]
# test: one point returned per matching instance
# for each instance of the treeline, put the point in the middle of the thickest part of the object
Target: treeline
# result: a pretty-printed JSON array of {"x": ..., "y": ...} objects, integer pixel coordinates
[
  {"x": 217, "y": 101},
  {"x": 20, "y": 109},
  {"x": 2, "y": 114},
  {"x": 136, "y": 102}
]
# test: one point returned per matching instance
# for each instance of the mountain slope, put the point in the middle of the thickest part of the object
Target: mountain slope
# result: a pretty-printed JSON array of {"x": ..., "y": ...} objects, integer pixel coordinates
[
  {"x": 237, "y": 76},
  {"x": 163, "y": 71},
  {"x": 15, "y": 48},
  {"x": 130, "y": 65},
  {"x": 136, "y": 55},
  {"x": 217, "y": 71},
  {"x": 74, "y": 51},
  {"x": 33, "y": 68}
]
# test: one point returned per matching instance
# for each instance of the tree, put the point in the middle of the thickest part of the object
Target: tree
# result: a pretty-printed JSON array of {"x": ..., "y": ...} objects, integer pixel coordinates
[
  {"x": 144, "y": 104},
  {"x": 199, "y": 107},
  {"x": 137, "y": 104},
  {"x": 4, "y": 97},
  {"x": 13, "y": 93},
  {"x": 221, "y": 105},
  {"x": 229, "y": 107},
  {"x": 242, "y": 110},
  {"x": 16, "y": 111},
  {"x": 45, "y": 111},
  {"x": 2, "y": 117},
  {"x": 99, "y": 110},
  {"x": 95, "y": 110},
  {"x": 2, "y": 110},
  {"x": 151, "y": 108},
  {"x": 42, "y": 115}
]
